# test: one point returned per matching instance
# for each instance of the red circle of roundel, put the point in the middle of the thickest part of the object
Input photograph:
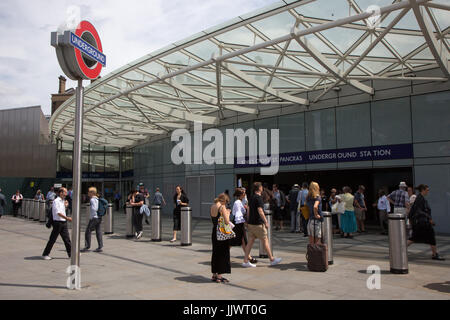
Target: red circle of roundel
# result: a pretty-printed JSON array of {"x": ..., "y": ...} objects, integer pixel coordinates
[{"x": 86, "y": 26}]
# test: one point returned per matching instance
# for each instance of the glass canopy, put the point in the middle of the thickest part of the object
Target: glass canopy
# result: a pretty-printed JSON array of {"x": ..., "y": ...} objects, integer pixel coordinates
[{"x": 273, "y": 56}]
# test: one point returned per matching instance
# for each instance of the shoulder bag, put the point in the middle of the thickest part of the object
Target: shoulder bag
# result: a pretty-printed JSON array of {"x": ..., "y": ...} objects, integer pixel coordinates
[{"x": 224, "y": 231}]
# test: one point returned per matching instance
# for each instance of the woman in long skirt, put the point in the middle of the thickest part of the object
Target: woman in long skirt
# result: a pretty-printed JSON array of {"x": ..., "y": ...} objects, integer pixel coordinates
[
  {"x": 422, "y": 223},
  {"x": 348, "y": 219}
]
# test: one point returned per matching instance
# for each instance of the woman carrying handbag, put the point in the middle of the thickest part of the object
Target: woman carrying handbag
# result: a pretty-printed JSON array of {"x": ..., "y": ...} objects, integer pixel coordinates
[{"x": 220, "y": 260}]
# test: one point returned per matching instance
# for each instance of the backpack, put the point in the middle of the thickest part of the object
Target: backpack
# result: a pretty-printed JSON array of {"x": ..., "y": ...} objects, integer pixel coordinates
[{"x": 102, "y": 206}]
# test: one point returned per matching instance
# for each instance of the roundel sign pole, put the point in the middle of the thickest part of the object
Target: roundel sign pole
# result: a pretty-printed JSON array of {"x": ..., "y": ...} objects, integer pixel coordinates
[{"x": 80, "y": 55}]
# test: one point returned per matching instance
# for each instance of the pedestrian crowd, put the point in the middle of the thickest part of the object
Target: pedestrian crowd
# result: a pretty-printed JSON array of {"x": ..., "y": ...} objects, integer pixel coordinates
[{"x": 241, "y": 222}]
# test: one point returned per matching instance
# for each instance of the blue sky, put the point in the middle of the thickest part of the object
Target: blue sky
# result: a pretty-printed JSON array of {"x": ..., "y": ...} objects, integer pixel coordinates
[{"x": 129, "y": 29}]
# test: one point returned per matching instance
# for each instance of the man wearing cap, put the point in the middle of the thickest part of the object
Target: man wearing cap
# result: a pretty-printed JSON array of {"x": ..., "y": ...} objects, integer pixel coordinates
[{"x": 399, "y": 198}]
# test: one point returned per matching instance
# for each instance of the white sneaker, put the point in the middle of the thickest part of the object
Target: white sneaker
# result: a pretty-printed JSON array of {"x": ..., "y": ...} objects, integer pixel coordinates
[
  {"x": 248, "y": 265},
  {"x": 275, "y": 261},
  {"x": 46, "y": 258},
  {"x": 139, "y": 235}
]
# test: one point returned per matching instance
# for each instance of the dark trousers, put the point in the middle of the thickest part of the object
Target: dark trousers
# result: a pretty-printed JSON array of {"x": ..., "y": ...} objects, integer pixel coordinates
[
  {"x": 59, "y": 228},
  {"x": 304, "y": 223},
  {"x": 137, "y": 219},
  {"x": 117, "y": 202},
  {"x": 16, "y": 207},
  {"x": 94, "y": 224}
]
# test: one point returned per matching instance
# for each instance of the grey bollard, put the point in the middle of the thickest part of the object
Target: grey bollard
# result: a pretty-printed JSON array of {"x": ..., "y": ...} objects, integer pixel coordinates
[
  {"x": 186, "y": 226},
  {"x": 156, "y": 223},
  {"x": 262, "y": 251},
  {"x": 42, "y": 210},
  {"x": 36, "y": 210},
  {"x": 129, "y": 220},
  {"x": 398, "y": 249},
  {"x": 31, "y": 209},
  {"x": 20, "y": 212},
  {"x": 109, "y": 220},
  {"x": 24, "y": 208},
  {"x": 327, "y": 234}
]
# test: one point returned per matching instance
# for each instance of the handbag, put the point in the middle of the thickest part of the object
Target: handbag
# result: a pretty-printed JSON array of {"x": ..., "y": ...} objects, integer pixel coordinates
[
  {"x": 224, "y": 231},
  {"x": 305, "y": 211}
]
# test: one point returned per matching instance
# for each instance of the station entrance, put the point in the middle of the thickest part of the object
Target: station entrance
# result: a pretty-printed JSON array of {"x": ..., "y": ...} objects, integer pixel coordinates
[{"x": 372, "y": 179}]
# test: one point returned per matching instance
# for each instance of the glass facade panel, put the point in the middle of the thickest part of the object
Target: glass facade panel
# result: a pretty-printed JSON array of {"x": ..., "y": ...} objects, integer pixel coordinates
[
  {"x": 112, "y": 162},
  {"x": 292, "y": 133},
  {"x": 391, "y": 122},
  {"x": 431, "y": 117},
  {"x": 353, "y": 126},
  {"x": 320, "y": 130},
  {"x": 65, "y": 162}
]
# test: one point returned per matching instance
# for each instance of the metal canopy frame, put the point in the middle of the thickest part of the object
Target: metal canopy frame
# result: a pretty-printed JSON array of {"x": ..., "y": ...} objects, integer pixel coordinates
[{"x": 275, "y": 56}]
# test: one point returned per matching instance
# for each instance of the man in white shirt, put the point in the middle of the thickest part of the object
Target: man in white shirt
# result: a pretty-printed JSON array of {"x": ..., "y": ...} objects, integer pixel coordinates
[
  {"x": 384, "y": 208},
  {"x": 59, "y": 224}
]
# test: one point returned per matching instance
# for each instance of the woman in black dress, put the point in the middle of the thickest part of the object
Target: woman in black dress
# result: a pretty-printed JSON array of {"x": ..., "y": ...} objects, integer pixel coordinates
[
  {"x": 181, "y": 200},
  {"x": 422, "y": 223},
  {"x": 220, "y": 260}
]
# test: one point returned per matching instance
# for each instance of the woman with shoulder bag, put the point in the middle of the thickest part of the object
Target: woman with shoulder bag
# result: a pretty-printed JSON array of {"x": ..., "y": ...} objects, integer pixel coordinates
[
  {"x": 220, "y": 259},
  {"x": 422, "y": 223}
]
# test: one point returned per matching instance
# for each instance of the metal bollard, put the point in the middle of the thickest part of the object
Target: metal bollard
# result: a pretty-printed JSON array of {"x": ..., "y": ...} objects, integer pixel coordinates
[
  {"x": 398, "y": 250},
  {"x": 20, "y": 212},
  {"x": 129, "y": 219},
  {"x": 41, "y": 210},
  {"x": 156, "y": 224},
  {"x": 36, "y": 210},
  {"x": 24, "y": 208},
  {"x": 31, "y": 209},
  {"x": 327, "y": 234},
  {"x": 109, "y": 220},
  {"x": 186, "y": 226},
  {"x": 262, "y": 251}
]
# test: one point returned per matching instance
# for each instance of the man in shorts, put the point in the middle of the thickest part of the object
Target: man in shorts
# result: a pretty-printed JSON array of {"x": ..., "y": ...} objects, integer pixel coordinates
[{"x": 257, "y": 227}]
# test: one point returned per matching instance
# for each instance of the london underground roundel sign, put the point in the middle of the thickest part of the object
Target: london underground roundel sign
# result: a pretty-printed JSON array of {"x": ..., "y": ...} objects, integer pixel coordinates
[{"x": 79, "y": 52}]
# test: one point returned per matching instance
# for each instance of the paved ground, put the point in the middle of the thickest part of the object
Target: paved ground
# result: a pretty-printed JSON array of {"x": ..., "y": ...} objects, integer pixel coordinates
[{"x": 130, "y": 269}]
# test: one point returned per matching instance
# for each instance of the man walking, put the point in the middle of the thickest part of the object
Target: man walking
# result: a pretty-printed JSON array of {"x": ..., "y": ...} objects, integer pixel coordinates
[
  {"x": 257, "y": 227},
  {"x": 59, "y": 224},
  {"x": 158, "y": 199},
  {"x": 293, "y": 206},
  {"x": 95, "y": 222},
  {"x": 360, "y": 208},
  {"x": 302, "y": 222},
  {"x": 400, "y": 199}
]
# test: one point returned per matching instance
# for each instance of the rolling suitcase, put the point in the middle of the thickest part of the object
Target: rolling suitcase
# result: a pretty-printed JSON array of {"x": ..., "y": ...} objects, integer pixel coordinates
[{"x": 317, "y": 256}]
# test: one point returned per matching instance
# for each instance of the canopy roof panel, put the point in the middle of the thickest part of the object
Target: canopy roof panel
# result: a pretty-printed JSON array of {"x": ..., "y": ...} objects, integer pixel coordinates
[{"x": 267, "y": 57}]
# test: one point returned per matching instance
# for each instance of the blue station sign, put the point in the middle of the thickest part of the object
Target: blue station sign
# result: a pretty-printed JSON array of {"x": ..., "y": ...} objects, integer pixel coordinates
[{"x": 390, "y": 152}]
